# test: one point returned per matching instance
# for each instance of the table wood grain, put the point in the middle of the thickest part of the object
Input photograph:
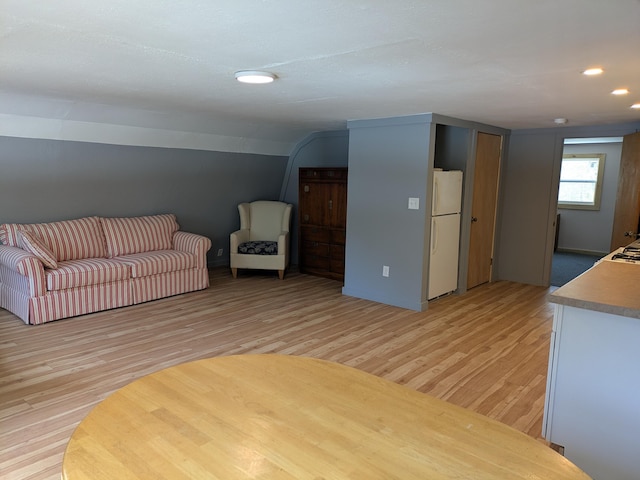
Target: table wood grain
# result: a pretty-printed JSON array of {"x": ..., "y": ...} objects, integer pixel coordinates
[{"x": 288, "y": 417}]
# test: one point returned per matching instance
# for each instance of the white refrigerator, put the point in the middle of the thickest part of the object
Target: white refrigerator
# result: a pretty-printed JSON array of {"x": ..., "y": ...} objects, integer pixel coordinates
[{"x": 445, "y": 232}]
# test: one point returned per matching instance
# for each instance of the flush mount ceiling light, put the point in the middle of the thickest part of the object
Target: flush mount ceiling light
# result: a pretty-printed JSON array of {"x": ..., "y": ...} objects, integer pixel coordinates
[
  {"x": 620, "y": 91},
  {"x": 560, "y": 121},
  {"x": 254, "y": 76},
  {"x": 636, "y": 106},
  {"x": 593, "y": 71}
]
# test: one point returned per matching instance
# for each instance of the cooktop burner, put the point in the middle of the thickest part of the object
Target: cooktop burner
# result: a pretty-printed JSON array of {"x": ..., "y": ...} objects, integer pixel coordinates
[
  {"x": 630, "y": 254},
  {"x": 626, "y": 256}
]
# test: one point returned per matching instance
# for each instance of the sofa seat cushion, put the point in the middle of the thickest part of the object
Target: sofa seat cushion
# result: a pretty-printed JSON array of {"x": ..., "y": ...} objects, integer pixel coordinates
[
  {"x": 161, "y": 261},
  {"x": 81, "y": 273},
  {"x": 259, "y": 247}
]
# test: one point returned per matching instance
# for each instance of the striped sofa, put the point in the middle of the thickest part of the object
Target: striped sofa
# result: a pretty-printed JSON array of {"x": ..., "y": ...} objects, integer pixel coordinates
[{"x": 50, "y": 271}]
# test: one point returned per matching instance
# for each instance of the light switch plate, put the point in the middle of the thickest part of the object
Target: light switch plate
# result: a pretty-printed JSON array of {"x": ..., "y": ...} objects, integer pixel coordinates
[{"x": 414, "y": 203}]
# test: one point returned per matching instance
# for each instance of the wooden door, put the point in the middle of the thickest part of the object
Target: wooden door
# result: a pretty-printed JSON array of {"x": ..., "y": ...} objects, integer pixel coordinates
[
  {"x": 626, "y": 217},
  {"x": 314, "y": 205},
  {"x": 483, "y": 210},
  {"x": 338, "y": 205}
]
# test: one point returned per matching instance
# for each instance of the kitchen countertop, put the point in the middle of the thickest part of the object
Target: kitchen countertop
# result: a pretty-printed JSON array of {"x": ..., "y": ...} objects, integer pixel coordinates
[{"x": 609, "y": 287}]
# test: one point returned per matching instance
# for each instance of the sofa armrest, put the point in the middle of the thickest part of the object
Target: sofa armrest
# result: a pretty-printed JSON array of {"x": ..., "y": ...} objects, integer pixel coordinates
[
  {"x": 199, "y": 245},
  {"x": 17, "y": 260},
  {"x": 237, "y": 238}
]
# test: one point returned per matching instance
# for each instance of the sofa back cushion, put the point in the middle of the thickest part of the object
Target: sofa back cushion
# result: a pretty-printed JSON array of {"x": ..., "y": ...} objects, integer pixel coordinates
[
  {"x": 126, "y": 236},
  {"x": 67, "y": 240}
]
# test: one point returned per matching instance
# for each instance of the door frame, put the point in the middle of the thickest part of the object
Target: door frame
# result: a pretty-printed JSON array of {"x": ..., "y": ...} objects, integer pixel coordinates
[
  {"x": 465, "y": 228},
  {"x": 553, "y": 204}
]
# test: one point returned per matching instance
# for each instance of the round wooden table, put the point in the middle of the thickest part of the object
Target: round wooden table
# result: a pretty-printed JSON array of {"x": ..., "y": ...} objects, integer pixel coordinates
[{"x": 285, "y": 417}]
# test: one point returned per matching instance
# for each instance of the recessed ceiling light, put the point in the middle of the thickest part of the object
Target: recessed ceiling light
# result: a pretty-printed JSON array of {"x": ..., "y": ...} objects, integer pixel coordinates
[
  {"x": 561, "y": 121},
  {"x": 593, "y": 71},
  {"x": 254, "y": 76},
  {"x": 636, "y": 106},
  {"x": 620, "y": 91}
]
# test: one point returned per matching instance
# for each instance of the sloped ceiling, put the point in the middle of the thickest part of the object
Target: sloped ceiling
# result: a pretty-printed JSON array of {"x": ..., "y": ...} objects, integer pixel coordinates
[{"x": 163, "y": 70}]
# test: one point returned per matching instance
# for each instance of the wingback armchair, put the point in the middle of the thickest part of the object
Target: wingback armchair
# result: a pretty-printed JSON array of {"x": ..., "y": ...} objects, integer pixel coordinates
[{"x": 263, "y": 239}]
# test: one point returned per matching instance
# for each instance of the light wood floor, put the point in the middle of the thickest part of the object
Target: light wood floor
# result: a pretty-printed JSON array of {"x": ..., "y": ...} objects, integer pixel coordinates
[{"x": 486, "y": 350}]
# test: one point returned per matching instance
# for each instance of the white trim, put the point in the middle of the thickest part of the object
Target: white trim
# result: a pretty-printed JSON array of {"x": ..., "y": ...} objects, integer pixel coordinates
[
  {"x": 71, "y": 130},
  {"x": 581, "y": 141}
]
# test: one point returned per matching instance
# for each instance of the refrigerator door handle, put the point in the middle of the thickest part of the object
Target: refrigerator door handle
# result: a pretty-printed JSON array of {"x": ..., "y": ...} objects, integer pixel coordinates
[
  {"x": 434, "y": 236},
  {"x": 436, "y": 195}
]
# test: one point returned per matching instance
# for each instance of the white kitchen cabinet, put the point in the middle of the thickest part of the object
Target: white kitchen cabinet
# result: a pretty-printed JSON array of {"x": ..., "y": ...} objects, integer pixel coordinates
[{"x": 592, "y": 405}]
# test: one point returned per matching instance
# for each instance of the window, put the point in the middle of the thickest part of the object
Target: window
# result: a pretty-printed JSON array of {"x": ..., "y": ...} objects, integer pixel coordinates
[{"x": 581, "y": 181}]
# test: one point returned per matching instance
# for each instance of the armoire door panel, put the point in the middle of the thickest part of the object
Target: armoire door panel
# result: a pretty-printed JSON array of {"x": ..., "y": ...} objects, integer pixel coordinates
[{"x": 322, "y": 210}]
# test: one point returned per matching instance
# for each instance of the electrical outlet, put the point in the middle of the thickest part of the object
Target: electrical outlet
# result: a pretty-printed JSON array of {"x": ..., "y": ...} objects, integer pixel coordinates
[
  {"x": 414, "y": 203},
  {"x": 385, "y": 270},
  {"x": 220, "y": 250}
]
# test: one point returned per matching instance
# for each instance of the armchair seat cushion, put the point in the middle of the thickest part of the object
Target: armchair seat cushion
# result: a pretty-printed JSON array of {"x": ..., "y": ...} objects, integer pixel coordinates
[{"x": 259, "y": 247}]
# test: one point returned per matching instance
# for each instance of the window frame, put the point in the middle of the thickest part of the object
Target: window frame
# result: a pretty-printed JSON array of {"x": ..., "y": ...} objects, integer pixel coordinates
[{"x": 601, "y": 157}]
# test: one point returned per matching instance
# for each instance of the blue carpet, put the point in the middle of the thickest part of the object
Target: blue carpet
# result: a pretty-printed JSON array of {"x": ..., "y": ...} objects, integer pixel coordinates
[{"x": 567, "y": 265}]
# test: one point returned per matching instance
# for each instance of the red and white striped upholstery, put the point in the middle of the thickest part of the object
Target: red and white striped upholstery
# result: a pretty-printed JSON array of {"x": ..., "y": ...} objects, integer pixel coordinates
[
  {"x": 34, "y": 245},
  {"x": 153, "y": 263},
  {"x": 9, "y": 233},
  {"x": 81, "y": 273},
  {"x": 79, "y": 301},
  {"x": 153, "y": 287},
  {"x": 68, "y": 240},
  {"x": 15, "y": 260},
  {"x": 133, "y": 260},
  {"x": 21, "y": 279},
  {"x": 195, "y": 244},
  {"x": 125, "y": 236},
  {"x": 15, "y": 297}
]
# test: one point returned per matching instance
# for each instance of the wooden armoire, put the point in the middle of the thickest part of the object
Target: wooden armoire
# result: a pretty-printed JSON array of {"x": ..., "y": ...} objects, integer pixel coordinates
[{"x": 322, "y": 219}]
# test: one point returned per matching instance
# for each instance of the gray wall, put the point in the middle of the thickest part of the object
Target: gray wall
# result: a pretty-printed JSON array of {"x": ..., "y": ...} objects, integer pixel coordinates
[
  {"x": 529, "y": 202},
  {"x": 48, "y": 180},
  {"x": 320, "y": 149},
  {"x": 388, "y": 163},
  {"x": 590, "y": 230},
  {"x": 452, "y": 147},
  {"x": 529, "y": 196},
  {"x": 391, "y": 160}
]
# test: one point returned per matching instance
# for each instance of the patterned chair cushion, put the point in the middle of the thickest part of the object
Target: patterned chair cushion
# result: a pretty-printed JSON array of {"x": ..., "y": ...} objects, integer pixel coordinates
[{"x": 259, "y": 247}]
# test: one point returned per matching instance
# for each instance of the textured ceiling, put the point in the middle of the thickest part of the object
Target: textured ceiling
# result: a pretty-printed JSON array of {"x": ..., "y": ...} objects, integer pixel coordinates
[{"x": 169, "y": 64}]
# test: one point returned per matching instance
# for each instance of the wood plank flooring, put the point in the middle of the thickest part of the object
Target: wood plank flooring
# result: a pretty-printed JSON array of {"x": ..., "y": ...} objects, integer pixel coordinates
[{"x": 486, "y": 350}]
